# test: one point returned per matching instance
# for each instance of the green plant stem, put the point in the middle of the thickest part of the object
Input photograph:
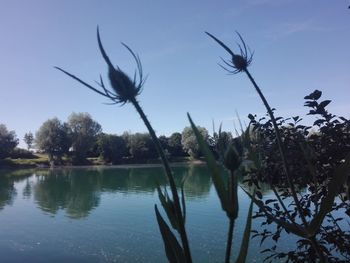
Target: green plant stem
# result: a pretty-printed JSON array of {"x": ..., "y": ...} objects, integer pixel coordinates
[
  {"x": 182, "y": 230},
  {"x": 229, "y": 240},
  {"x": 232, "y": 192},
  {"x": 280, "y": 146}
]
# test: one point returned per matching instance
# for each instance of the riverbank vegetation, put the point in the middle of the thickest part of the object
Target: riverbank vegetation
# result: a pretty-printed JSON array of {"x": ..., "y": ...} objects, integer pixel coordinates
[{"x": 81, "y": 141}]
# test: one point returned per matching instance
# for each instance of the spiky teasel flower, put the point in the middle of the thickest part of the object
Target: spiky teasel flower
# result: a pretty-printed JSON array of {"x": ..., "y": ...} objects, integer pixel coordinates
[
  {"x": 124, "y": 88},
  {"x": 238, "y": 62}
]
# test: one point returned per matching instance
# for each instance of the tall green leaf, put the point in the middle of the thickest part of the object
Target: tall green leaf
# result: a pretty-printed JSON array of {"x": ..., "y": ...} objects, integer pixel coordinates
[
  {"x": 183, "y": 203},
  {"x": 213, "y": 168},
  {"x": 246, "y": 236},
  {"x": 169, "y": 207},
  {"x": 334, "y": 186},
  {"x": 173, "y": 250},
  {"x": 233, "y": 194}
]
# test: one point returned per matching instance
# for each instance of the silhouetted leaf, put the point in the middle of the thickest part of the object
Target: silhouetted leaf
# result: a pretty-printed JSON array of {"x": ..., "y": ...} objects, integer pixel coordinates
[
  {"x": 296, "y": 118},
  {"x": 324, "y": 103},
  {"x": 213, "y": 168},
  {"x": 174, "y": 251},
  {"x": 319, "y": 122},
  {"x": 312, "y": 112},
  {"x": 168, "y": 206},
  {"x": 246, "y": 237},
  {"x": 311, "y": 103},
  {"x": 334, "y": 186},
  {"x": 183, "y": 203},
  {"x": 314, "y": 95}
]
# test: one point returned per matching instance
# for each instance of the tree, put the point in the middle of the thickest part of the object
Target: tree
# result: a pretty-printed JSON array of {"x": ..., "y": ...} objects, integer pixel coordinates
[
  {"x": 83, "y": 130},
  {"x": 8, "y": 141},
  {"x": 29, "y": 140},
  {"x": 141, "y": 146},
  {"x": 53, "y": 138},
  {"x": 189, "y": 141},
  {"x": 175, "y": 146},
  {"x": 112, "y": 148}
]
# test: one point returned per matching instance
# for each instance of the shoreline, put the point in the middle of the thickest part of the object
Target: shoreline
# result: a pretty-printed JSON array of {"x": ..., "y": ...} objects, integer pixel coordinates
[{"x": 19, "y": 166}]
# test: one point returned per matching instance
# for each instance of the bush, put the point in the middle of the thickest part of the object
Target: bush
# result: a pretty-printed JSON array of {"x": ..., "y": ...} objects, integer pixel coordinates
[
  {"x": 112, "y": 148},
  {"x": 141, "y": 146},
  {"x": 19, "y": 153},
  {"x": 313, "y": 158}
]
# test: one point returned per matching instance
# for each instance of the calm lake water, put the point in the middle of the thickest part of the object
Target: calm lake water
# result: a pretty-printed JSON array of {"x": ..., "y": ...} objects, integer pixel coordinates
[{"x": 107, "y": 215}]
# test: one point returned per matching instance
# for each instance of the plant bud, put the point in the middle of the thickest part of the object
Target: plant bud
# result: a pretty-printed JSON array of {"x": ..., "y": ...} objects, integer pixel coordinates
[{"x": 231, "y": 159}]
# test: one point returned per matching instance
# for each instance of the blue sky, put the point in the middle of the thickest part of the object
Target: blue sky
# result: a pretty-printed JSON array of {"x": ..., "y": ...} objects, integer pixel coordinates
[{"x": 299, "y": 46}]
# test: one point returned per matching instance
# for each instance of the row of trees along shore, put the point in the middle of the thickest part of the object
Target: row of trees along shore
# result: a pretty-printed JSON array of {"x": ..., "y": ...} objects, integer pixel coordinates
[{"x": 81, "y": 137}]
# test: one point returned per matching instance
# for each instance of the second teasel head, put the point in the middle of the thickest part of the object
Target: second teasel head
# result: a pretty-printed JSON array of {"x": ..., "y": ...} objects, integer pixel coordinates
[{"x": 238, "y": 62}]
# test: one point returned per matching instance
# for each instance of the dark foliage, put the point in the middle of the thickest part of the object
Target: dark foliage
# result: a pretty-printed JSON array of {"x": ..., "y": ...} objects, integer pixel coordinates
[
  {"x": 112, "y": 148},
  {"x": 141, "y": 146},
  {"x": 174, "y": 145},
  {"x": 83, "y": 131},
  {"x": 8, "y": 141},
  {"x": 53, "y": 138},
  {"x": 22, "y": 153},
  {"x": 313, "y": 153}
]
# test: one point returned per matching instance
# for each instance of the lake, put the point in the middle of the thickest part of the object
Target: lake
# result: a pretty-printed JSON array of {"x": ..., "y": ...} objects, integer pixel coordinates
[{"x": 106, "y": 214}]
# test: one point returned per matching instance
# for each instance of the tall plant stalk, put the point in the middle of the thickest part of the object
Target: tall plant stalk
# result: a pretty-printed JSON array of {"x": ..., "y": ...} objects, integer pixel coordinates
[
  {"x": 232, "y": 165},
  {"x": 240, "y": 63},
  {"x": 280, "y": 146},
  {"x": 229, "y": 240},
  {"x": 168, "y": 172},
  {"x": 125, "y": 90},
  {"x": 282, "y": 150}
]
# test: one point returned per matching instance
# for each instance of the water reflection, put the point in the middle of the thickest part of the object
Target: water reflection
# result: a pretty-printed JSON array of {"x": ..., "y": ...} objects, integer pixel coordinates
[
  {"x": 7, "y": 192},
  {"x": 78, "y": 191}
]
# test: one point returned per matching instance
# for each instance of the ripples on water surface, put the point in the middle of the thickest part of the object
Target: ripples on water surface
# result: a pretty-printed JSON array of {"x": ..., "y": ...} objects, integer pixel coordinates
[{"x": 107, "y": 215}]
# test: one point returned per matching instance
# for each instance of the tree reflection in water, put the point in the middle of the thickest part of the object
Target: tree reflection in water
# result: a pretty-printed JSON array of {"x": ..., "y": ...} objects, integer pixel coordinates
[
  {"x": 7, "y": 191},
  {"x": 78, "y": 191}
]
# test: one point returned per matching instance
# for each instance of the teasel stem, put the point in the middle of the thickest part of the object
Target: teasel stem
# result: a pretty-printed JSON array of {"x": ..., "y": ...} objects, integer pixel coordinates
[
  {"x": 286, "y": 168},
  {"x": 178, "y": 212},
  {"x": 229, "y": 240},
  {"x": 280, "y": 146},
  {"x": 232, "y": 191}
]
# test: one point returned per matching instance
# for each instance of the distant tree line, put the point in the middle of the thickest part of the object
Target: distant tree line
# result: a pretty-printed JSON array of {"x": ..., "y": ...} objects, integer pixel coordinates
[{"x": 81, "y": 137}]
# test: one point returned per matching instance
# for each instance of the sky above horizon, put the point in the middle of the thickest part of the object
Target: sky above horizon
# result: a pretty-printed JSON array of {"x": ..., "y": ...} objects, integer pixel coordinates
[{"x": 299, "y": 46}]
